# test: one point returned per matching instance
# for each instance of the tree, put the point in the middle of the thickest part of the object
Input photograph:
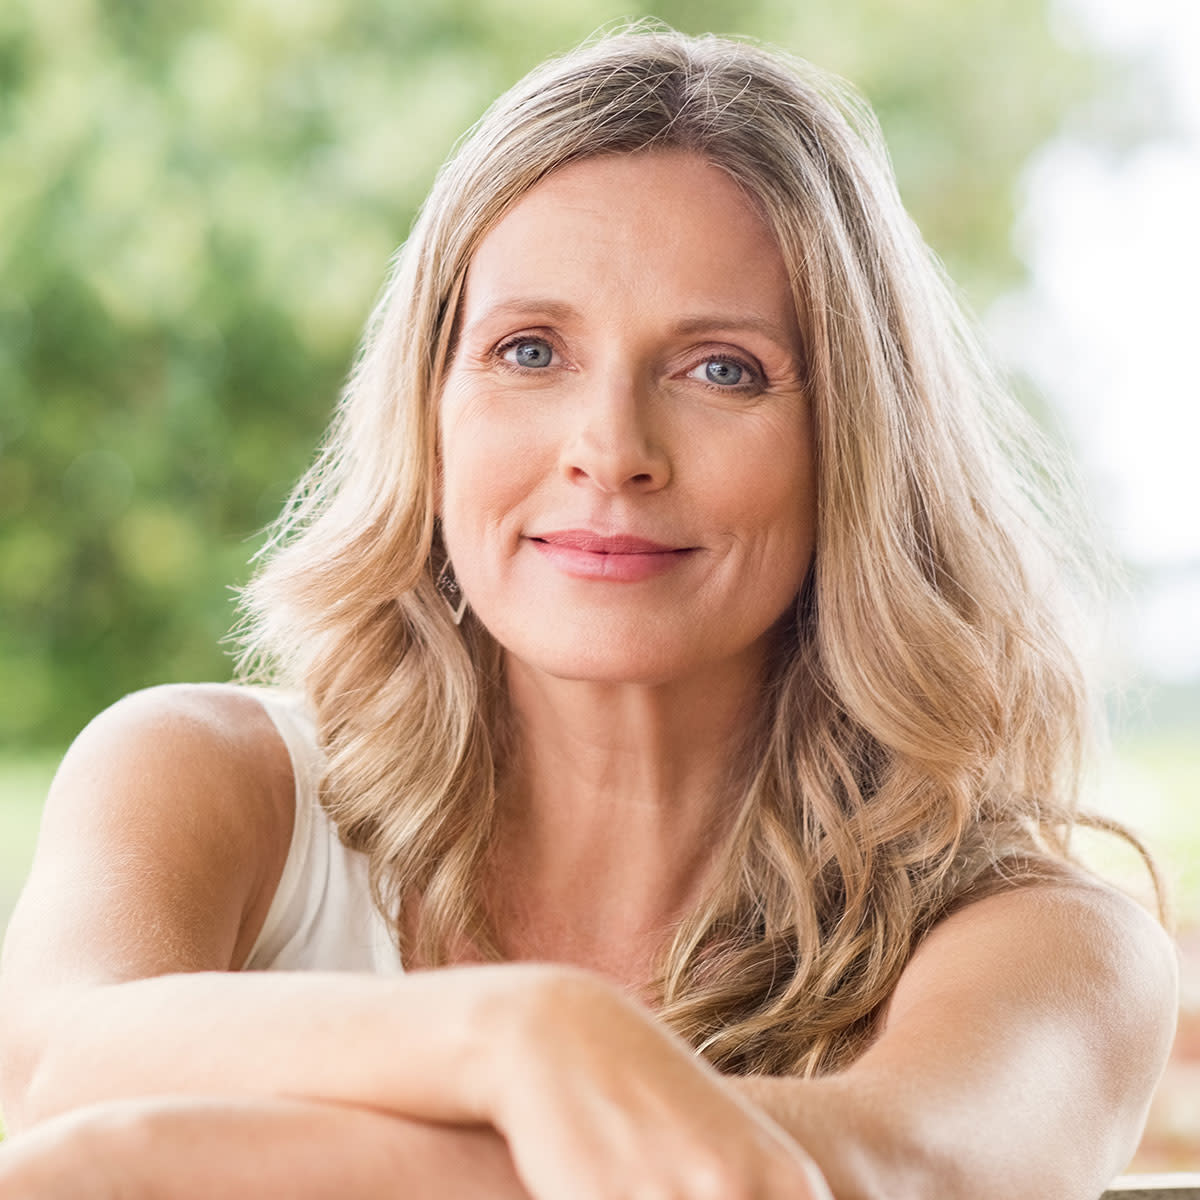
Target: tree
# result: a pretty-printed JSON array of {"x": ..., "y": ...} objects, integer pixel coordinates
[{"x": 197, "y": 208}]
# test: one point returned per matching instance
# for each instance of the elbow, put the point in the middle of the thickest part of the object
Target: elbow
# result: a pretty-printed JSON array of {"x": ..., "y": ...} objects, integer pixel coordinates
[{"x": 953, "y": 1162}]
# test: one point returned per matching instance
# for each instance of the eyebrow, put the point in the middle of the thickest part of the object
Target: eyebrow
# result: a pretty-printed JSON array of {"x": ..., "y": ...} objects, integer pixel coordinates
[
  {"x": 561, "y": 311},
  {"x": 556, "y": 310},
  {"x": 785, "y": 339}
]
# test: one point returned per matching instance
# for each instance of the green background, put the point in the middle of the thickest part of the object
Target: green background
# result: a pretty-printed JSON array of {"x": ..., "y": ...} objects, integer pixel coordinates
[
  {"x": 197, "y": 206},
  {"x": 198, "y": 202}
]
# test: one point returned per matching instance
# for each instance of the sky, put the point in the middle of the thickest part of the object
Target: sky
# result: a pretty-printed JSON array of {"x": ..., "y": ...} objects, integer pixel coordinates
[{"x": 1109, "y": 326}]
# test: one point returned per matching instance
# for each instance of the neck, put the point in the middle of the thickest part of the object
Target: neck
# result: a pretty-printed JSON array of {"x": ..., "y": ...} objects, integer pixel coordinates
[{"x": 612, "y": 808}]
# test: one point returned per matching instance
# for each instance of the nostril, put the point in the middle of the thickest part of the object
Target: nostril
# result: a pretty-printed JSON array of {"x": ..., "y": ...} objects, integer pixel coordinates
[{"x": 611, "y": 463}]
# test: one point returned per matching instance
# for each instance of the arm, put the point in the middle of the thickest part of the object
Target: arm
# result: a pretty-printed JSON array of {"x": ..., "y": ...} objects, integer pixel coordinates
[
  {"x": 194, "y": 1148},
  {"x": 1017, "y": 1058},
  {"x": 162, "y": 842},
  {"x": 115, "y": 986}
]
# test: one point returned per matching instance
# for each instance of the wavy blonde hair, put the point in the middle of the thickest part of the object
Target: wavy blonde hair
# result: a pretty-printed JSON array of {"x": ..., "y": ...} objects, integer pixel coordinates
[{"x": 923, "y": 727}]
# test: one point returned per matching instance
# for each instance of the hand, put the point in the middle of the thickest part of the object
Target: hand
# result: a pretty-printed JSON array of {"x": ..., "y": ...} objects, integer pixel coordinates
[{"x": 597, "y": 1101}]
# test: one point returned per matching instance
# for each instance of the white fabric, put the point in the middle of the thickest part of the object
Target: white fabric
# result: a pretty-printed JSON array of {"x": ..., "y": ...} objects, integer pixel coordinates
[{"x": 321, "y": 917}]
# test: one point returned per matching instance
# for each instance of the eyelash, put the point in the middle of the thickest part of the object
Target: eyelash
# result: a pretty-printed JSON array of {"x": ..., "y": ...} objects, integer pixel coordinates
[
  {"x": 756, "y": 382},
  {"x": 521, "y": 339}
]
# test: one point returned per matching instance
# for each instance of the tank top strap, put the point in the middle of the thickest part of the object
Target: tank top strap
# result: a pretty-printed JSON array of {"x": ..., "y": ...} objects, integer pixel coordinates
[{"x": 322, "y": 916}]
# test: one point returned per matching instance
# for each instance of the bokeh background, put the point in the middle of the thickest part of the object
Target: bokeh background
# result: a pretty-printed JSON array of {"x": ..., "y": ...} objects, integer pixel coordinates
[{"x": 198, "y": 202}]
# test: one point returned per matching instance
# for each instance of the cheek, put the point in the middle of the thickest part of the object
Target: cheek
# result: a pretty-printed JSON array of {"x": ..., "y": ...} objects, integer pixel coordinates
[
  {"x": 790, "y": 469},
  {"x": 487, "y": 466},
  {"x": 766, "y": 485}
]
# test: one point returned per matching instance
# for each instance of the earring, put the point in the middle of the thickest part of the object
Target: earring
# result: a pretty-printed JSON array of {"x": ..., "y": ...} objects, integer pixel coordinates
[{"x": 448, "y": 588}]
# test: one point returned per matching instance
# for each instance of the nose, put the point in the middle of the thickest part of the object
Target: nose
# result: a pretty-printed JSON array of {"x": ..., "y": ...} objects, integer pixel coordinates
[{"x": 612, "y": 445}]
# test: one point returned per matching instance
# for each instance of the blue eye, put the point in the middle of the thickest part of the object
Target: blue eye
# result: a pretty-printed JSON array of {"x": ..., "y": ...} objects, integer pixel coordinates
[
  {"x": 723, "y": 372},
  {"x": 726, "y": 374},
  {"x": 528, "y": 352}
]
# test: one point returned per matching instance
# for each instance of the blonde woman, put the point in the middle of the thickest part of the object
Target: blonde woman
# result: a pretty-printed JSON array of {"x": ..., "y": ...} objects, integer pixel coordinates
[{"x": 667, "y": 782}]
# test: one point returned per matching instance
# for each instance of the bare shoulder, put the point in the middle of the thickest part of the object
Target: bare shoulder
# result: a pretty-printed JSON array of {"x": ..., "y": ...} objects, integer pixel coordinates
[
  {"x": 189, "y": 717},
  {"x": 1030, "y": 1027},
  {"x": 1076, "y": 924},
  {"x": 1077, "y": 959},
  {"x": 204, "y": 756},
  {"x": 163, "y": 834}
]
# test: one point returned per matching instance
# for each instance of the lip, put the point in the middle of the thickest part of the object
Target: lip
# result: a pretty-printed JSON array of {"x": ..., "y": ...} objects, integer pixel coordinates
[
  {"x": 601, "y": 543},
  {"x": 617, "y": 558}
]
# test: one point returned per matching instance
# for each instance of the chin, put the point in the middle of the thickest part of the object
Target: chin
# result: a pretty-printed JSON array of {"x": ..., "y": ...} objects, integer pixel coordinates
[
  {"x": 594, "y": 650},
  {"x": 615, "y": 657},
  {"x": 602, "y": 663}
]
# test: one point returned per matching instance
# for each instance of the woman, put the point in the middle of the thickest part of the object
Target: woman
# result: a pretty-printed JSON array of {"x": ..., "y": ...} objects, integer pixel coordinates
[{"x": 680, "y": 672}]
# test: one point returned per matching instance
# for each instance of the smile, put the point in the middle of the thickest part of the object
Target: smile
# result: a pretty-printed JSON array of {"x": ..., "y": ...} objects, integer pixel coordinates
[{"x": 618, "y": 558}]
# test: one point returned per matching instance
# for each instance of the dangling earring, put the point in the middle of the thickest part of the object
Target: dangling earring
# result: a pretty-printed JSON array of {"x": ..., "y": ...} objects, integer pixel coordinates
[{"x": 448, "y": 588}]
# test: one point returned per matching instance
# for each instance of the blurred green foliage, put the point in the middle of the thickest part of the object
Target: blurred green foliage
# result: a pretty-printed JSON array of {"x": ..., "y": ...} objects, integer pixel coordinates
[{"x": 197, "y": 206}]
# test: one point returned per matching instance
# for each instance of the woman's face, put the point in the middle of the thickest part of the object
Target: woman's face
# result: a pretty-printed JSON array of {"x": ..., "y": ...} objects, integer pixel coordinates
[{"x": 626, "y": 461}]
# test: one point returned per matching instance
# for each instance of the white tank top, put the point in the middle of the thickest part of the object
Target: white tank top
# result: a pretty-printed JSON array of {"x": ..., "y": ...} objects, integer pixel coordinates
[{"x": 321, "y": 917}]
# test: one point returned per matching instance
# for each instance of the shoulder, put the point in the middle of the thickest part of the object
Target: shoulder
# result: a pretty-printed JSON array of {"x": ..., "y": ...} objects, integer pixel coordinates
[
  {"x": 1074, "y": 915},
  {"x": 176, "y": 800},
  {"x": 1074, "y": 952},
  {"x": 199, "y": 716},
  {"x": 1036, "y": 1019},
  {"x": 217, "y": 738},
  {"x": 200, "y": 756},
  {"x": 1075, "y": 923}
]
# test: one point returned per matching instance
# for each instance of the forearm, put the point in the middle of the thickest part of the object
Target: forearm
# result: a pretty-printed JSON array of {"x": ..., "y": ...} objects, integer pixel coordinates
[
  {"x": 191, "y": 1148},
  {"x": 882, "y": 1134},
  {"x": 410, "y": 1045},
  {"x": 876, "y": 1134},
  {"x": 864, "y": 1149}
]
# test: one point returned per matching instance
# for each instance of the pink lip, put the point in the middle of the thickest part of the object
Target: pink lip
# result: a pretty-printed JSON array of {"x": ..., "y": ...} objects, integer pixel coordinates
[
  {"x": 619, "y": 558},
  {"x": 599, "y": 543}
]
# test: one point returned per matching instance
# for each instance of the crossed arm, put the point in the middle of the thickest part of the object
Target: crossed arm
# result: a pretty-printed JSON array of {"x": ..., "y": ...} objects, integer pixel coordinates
[{"x": 1017, "y": 1057}]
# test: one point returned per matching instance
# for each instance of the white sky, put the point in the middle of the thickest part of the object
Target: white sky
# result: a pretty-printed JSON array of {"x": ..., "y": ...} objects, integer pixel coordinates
[{"x": 1110, "y": 326}]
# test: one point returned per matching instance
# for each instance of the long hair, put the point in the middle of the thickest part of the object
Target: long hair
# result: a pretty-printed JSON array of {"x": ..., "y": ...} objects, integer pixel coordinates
[{"x": 925, "y": 716}]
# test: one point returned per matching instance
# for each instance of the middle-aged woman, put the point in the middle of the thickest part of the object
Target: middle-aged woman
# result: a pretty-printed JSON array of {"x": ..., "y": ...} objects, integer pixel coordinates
[{"x": 676, "y": 664}]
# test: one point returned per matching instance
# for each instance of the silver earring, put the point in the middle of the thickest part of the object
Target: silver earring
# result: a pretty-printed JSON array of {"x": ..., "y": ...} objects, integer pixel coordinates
[{"x": 448, "y": 588}]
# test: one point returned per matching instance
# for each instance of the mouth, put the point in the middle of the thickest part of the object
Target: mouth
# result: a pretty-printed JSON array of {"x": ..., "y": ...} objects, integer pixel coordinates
[
  {"x": 614, "y": 558},
  {"x": 598, "y": 543}
]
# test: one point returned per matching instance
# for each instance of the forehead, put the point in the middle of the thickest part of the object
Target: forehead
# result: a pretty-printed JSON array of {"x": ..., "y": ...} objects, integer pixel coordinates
[{"x": 665, "y": 223}]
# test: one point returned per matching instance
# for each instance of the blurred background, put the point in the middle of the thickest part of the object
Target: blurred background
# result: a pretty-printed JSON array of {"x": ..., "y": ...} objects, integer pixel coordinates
[{"x": 197, "y": 206}]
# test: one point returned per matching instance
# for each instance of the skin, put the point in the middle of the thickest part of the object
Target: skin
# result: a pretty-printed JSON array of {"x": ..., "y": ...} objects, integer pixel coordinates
[
  {"x": 632, "y": 277},
  {"x": 1019, "y": 1049}
]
